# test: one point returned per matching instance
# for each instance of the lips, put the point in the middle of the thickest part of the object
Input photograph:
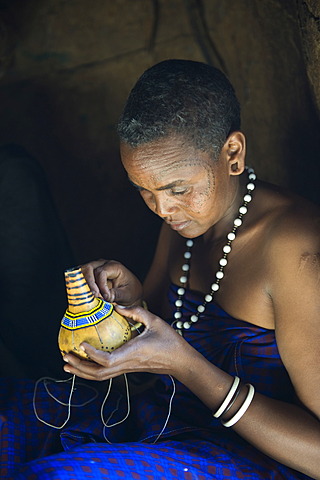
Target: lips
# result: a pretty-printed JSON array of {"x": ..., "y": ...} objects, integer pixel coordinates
[{"x": 179, "y": 225}]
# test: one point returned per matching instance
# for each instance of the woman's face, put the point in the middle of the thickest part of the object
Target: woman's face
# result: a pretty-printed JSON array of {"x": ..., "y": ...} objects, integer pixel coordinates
[{"x": 184, "y": 186}]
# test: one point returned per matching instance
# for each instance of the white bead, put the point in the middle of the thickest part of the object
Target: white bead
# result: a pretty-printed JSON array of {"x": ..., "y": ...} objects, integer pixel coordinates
[{"x": 222, "y": 262}]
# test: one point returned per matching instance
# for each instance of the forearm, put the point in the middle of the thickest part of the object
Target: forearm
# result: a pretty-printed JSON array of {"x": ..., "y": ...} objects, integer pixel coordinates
[{"x": 282, "y": 431}]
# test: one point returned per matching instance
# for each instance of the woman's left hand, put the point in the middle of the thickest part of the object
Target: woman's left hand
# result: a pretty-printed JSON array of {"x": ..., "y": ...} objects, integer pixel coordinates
[{"x": 158, "y": 349}]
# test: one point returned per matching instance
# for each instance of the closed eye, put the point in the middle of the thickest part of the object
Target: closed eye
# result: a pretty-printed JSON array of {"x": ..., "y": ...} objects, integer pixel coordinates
[
  {"x": 178, "y": 191},
  {"x": 171, "y": 190}
]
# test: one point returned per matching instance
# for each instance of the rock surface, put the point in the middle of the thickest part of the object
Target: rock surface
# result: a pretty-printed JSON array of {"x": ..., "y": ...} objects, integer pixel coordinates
[{"x": 67, "y": 66}]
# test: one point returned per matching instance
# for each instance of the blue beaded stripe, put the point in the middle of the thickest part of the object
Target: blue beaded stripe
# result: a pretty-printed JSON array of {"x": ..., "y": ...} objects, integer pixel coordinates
[{"x": 74, "y": 321}]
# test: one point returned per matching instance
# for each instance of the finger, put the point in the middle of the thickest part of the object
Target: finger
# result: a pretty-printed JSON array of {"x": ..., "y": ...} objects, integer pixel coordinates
[
  {"x": 137, "y": 314},
  {"x": 110, "y": 272},
  {"x": 84, "y": 368},
  {"x": 122, "y": 295},
  {"x": 101, "y": 277},
  {"x": 122, "y": 360},
  {"x": 98, "y": 358},
  {"x": 105, "y": 359},
  {"x": 96, "y": 369},
  {"x": 88, "y": 272},
  {"x": 94, "y": 375}
]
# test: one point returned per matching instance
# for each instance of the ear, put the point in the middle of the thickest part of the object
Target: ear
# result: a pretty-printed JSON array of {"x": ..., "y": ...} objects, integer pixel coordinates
[{"x": 235, "y": 150}]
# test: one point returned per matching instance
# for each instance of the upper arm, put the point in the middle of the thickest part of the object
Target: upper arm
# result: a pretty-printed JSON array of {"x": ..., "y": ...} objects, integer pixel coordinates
[
  {"x": 158, "y": 278},
  {"x": 295, "y": 293}
]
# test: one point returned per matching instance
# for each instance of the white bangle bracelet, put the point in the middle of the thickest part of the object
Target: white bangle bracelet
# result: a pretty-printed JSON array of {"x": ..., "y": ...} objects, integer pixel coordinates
[
  {"x": 242, "y": 410},
  {"x": 228, "y": 398}
]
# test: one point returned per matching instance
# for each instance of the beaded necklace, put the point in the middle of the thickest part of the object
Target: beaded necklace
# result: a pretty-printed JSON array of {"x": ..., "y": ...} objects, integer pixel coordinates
[{"x": 178, "y": 323}]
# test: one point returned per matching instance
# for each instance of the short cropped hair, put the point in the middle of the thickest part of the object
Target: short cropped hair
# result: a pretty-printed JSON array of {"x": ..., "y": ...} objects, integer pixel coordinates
[{"x": 183, "y": 98}]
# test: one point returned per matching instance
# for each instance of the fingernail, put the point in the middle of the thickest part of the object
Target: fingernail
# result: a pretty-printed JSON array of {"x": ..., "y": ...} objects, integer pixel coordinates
[
  {"x": 121, "y": 306},
  {"x": 65, "y": 359},
  {"x": 82, "y": 348}
]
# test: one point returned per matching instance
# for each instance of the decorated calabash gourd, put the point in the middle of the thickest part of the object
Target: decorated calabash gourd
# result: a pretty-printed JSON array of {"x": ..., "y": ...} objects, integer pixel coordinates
[{"x": 90, "y": 319}]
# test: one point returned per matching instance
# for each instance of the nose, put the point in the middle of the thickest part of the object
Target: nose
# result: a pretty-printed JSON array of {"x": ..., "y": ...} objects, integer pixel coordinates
[
  {"x": 164, "y": 207},
  {"x": 161, "y": 204}
]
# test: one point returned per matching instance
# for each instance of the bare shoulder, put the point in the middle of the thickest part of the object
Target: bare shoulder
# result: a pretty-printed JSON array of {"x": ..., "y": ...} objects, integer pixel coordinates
[{"x": 292, "y": 227}]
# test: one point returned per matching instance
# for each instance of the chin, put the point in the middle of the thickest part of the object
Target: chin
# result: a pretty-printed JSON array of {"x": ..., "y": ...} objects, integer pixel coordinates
[{"x": 191, "y": 233}]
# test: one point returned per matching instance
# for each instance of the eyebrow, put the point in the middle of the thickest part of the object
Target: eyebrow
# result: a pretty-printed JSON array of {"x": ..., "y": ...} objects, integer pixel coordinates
[{"x": 159, "y": 189}]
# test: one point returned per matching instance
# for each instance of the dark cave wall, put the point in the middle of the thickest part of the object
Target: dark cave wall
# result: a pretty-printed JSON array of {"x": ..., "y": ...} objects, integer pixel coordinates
[{"x": 67, "y": 67}]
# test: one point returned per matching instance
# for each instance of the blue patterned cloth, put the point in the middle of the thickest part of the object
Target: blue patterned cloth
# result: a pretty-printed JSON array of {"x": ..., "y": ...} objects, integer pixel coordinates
[{"x": 193, "y": 445}]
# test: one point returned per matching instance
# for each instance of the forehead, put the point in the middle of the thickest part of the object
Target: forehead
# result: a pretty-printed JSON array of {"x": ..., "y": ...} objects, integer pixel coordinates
[{"x": 163, "y": 158}]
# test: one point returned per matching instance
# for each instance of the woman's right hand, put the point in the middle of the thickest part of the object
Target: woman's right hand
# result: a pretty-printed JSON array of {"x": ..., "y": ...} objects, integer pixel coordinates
[
  {"x": 113, "y": 282},
  {"x": 158, "y": 349}
]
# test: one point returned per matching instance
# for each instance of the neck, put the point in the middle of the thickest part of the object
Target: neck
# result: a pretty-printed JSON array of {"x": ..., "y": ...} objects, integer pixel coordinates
[{"x": 218, "y": 231}]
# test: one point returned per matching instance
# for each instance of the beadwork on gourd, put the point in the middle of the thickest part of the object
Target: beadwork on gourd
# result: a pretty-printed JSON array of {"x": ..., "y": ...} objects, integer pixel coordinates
[{"x": 89, "y": 319}]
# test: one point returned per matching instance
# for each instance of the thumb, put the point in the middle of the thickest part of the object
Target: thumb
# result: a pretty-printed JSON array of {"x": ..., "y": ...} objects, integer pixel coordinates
[
  {"x": 120, "y": 295},
  {"x": 137, "y": 314}
]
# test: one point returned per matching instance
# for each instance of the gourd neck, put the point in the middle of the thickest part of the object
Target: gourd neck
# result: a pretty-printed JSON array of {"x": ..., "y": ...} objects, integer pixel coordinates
[{"x": 80, "y": 297}]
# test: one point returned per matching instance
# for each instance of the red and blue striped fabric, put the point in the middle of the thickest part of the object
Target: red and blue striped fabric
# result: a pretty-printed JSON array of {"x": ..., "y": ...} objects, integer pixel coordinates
[{"x": 193, "y": 445}]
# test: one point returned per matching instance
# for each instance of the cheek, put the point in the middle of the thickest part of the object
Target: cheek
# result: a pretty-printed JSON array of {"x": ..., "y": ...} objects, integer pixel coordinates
[{"x": 200, "y": 202}]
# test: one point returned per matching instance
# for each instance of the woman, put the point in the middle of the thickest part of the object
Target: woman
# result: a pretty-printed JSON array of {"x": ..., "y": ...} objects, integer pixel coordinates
[{"x": 236, "y": 273}]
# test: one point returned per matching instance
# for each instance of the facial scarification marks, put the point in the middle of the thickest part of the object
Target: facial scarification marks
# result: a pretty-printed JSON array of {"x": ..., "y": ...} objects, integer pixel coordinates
[
  {"x": 202, "y": 194},
  {"x": 180, "y": 183},
  {"x": 310, "y": 264},
  {"x": 210, "y": 188},
  {"x": 197, "y": 194},
  {"x": 172, "y": 169}
]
